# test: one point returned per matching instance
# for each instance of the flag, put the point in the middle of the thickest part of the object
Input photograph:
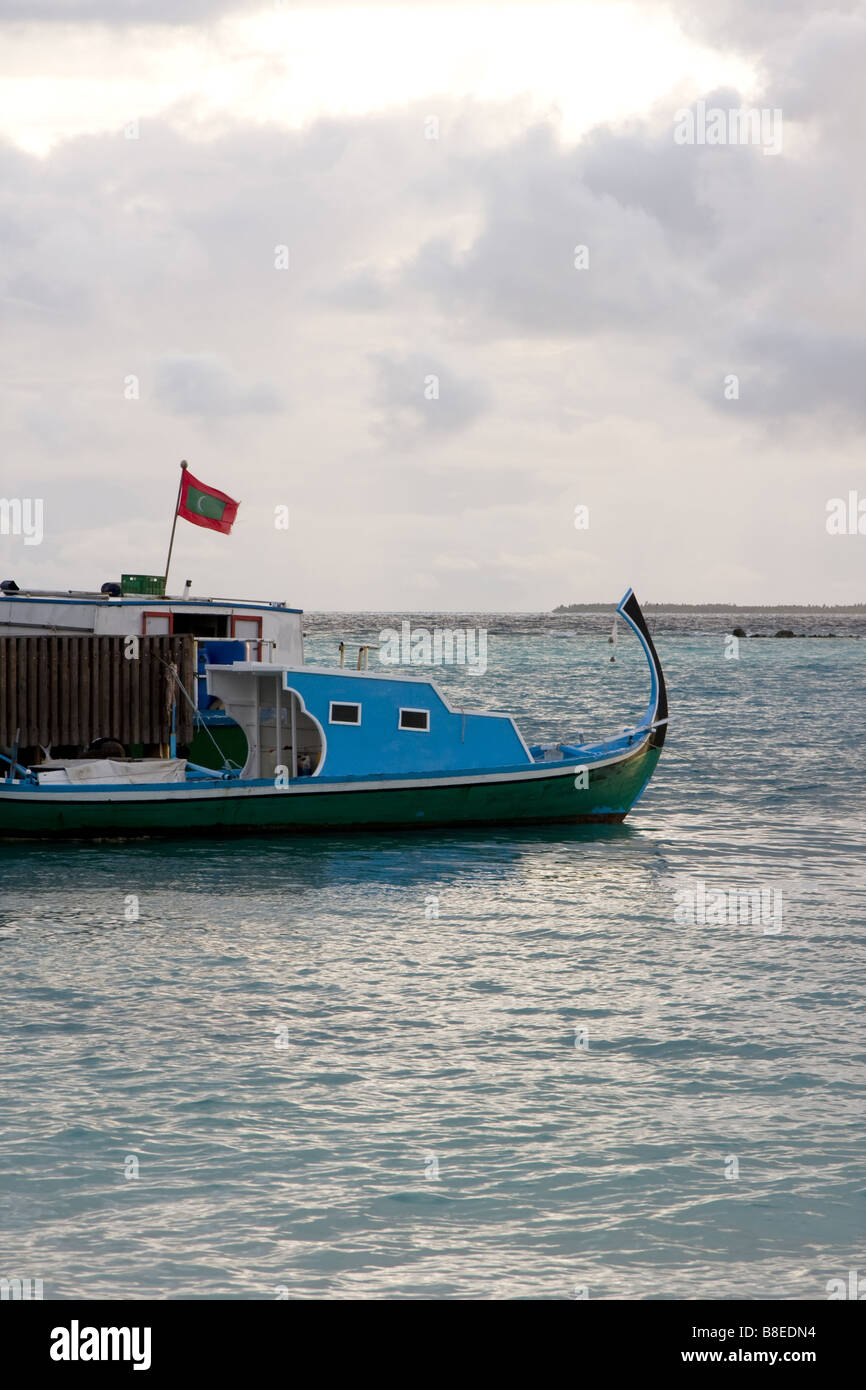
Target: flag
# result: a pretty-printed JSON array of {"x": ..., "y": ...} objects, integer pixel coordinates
[{"x": 206, "y": 506}]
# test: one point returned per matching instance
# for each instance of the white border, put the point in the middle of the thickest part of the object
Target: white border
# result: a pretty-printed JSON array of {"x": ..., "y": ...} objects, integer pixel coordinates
[
  {"x": 410, "y": 728},
  {"x": 344, "y": 723},
  {"x": 313, "y": 786}
]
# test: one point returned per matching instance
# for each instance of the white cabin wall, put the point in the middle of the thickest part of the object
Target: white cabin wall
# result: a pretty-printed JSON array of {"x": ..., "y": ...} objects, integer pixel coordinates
[
  {"x": 285, "y": 630},
  {"x": 240, "y": 689},
  {"x": 19, "y": 618},
  {"x": 22, "y": 620}
]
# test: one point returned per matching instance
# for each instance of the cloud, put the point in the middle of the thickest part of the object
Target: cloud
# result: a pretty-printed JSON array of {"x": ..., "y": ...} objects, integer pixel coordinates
[
  {"x": 182, "y": 11},
  {"x": 558, "y": 385},
  {"x": 792, "y": 372},
  {"x": 203, "y": 385},
  {"x": 818, "y": 75},
  {"x": 524, "y": 271},
  {"x": 420, "y": 397},
  {"x": 750, "y": 26},
  {"x": 119, "y": 12},
  {"x": 455, "y": 564}
]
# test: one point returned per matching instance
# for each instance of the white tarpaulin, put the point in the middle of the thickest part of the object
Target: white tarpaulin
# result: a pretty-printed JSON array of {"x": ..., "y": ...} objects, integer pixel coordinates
[{"x": 113, "y": 770}]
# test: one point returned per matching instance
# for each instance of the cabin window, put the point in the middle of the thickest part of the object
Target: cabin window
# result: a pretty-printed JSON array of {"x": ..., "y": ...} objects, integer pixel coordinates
[
  {"x": 202, "y": 624},
  {"x": 415, "y": 719},
  {"x": 344, "y": 714}
]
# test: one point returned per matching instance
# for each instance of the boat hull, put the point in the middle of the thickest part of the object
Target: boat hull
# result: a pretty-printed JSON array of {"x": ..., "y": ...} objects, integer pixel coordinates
[{"x": 596, "y": 794}]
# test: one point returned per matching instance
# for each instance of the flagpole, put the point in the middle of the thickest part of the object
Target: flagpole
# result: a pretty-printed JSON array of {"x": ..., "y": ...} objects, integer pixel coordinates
[{"x": 183, "y": 466}]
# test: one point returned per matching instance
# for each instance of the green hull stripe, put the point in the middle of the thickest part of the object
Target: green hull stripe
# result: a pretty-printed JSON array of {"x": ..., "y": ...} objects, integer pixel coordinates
[{"x": 610, "y": 794}]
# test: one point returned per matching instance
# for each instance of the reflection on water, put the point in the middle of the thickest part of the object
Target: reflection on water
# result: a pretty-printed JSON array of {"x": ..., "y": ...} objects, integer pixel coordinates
[{"x": 286, "y": 1034}]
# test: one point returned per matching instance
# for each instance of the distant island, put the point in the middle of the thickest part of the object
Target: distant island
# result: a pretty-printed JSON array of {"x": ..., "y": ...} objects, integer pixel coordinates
[{"x": 722, "y": 607}]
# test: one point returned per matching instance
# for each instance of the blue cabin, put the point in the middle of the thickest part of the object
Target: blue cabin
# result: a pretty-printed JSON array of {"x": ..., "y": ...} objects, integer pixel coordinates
[{"x": 322, "y": 722}]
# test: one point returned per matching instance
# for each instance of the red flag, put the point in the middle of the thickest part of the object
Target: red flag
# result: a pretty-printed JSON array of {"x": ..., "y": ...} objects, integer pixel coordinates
[{"x": 206, "y": 506}]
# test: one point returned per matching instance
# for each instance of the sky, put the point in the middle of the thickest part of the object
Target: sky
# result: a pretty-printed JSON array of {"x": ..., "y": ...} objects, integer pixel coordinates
[{"x": 485, "y": 294}]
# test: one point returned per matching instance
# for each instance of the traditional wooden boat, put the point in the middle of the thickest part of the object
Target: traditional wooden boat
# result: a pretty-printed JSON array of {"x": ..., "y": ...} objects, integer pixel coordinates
[{"x": 326, "y": 749}]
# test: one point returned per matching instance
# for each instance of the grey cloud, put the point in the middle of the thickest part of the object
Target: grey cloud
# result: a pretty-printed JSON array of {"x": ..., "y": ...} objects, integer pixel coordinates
[
  {"x": 420, "y": 398},
  {"x": 203, "y": 385},
  {"x": 749, "y": 26},
  {"x": 642, "y": 169},
  {"x": 818, "y": 75},
  {"x": 555, "y": 383},
  {"x": 686, "y": 244},
  {"x": 789, "y": 371},
  {"x": 520, "y": 272},
  {"x": 118, "y": 12},
  {"x": 651, "y": 214}
]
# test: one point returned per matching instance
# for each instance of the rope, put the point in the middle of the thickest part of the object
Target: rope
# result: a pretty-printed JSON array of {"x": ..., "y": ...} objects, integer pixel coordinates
[{"x": 197, "y": 717}]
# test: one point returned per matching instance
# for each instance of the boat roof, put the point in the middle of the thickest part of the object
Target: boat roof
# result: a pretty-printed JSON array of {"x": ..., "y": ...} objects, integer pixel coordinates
[{"x": 146, "y": 600}]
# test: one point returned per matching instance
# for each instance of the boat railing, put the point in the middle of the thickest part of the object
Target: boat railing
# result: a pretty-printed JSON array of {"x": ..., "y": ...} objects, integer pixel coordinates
[
  {"x": 24, "y": 774},
  {"x": 195, "y": 772},
  {"x": 253, "y": 647}
]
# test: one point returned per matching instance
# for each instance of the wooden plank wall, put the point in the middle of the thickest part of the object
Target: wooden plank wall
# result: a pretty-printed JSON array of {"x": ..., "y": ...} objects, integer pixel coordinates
[{"x": 71, "y": 690}]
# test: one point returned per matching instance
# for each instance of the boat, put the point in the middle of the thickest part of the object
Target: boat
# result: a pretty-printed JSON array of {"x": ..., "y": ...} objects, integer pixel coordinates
[
  {"x": 317, "y": 749},
  {"x": 220, "y": 630}
]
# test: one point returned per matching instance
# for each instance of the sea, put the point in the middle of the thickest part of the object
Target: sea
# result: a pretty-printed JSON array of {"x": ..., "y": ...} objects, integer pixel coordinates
[{"x": 620, "y": 1062}]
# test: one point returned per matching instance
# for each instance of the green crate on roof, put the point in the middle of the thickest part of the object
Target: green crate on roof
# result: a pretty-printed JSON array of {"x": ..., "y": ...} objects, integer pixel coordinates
[{"x": 142, "y": 584}]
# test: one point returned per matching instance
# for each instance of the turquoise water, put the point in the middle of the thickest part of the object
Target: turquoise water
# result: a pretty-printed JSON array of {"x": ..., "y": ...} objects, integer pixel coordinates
[{"x": 331, "y": 1091}]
